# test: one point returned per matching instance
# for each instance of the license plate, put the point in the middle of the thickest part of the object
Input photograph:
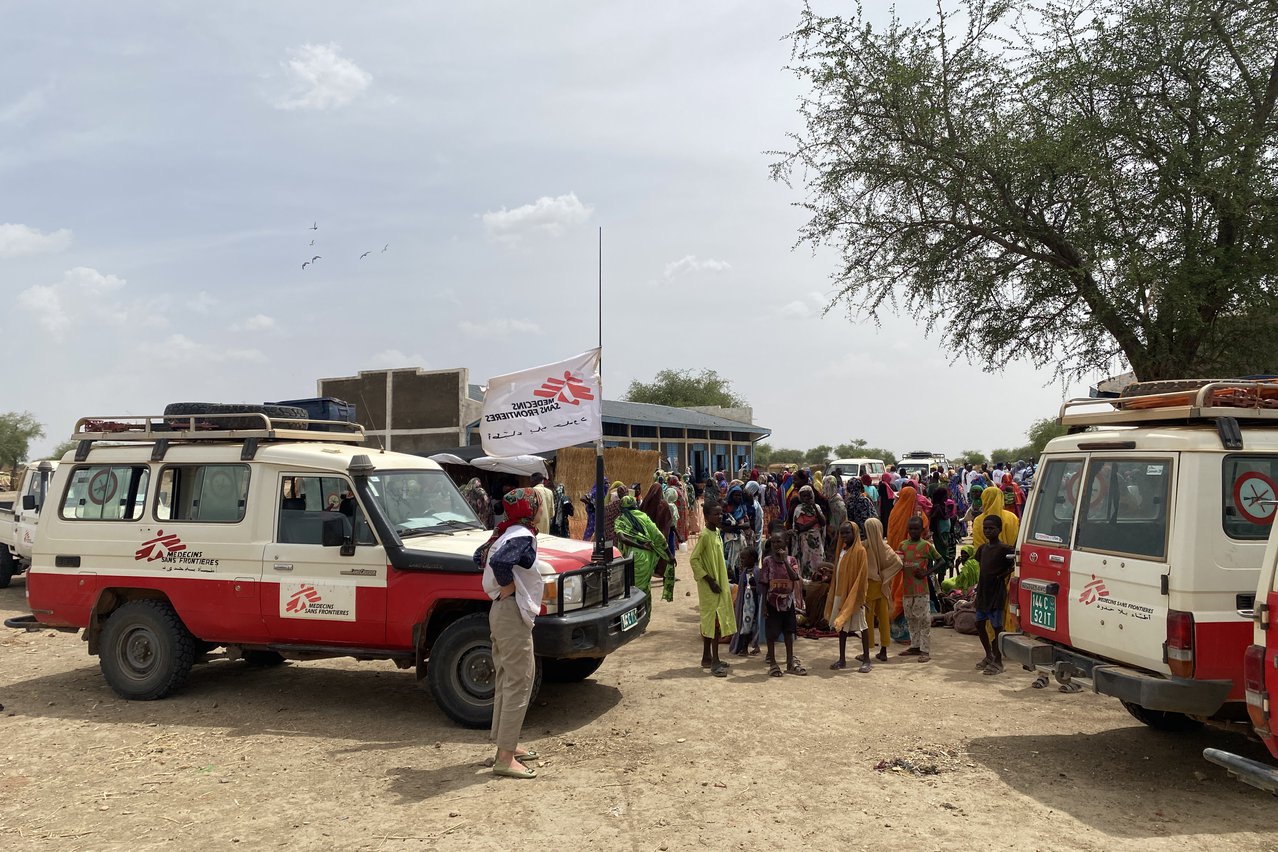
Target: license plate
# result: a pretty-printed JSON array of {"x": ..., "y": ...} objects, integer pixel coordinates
[
  {"x": 1042, "y": 610},
  {"x": 629, "y": 619}
]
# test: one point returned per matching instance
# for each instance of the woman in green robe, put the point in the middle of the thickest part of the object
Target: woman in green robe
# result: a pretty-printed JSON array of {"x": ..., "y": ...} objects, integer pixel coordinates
[{"x": 638, "y": 536}]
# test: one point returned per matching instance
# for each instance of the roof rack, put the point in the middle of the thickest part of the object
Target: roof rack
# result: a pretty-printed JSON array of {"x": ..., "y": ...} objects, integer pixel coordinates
[
  {"x": 164, "y": 430},
  {"x": 1244, "y": 400}
]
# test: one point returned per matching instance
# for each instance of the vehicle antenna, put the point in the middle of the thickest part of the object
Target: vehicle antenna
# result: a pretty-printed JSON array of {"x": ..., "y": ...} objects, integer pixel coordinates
[{"x": 377, "y": 437}]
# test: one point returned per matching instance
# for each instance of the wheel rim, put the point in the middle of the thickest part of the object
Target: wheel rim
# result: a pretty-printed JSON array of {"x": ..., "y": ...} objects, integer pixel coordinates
[
  {"x": 476, "y": 674},
  {"x": 139, "y": 653}
]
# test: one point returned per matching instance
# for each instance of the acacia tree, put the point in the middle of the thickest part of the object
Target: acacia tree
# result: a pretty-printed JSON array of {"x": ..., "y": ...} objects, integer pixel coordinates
[
  {"x": 17, "y": 431},
  {"x": 1069, "y": 181},
  {"x": 684, "y": 388}
]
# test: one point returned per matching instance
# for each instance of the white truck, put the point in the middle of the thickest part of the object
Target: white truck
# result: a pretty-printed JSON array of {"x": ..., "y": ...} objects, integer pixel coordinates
[{"x": 18, "y": 519}]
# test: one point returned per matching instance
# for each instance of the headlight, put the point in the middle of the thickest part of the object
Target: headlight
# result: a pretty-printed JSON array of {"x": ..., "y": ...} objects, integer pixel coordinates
[{"x": 573, "y": 590}]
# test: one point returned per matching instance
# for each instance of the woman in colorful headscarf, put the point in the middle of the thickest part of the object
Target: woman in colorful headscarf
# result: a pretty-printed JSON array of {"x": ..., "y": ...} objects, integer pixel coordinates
[
  {"x": 860, "y": 507},
  {"x": 871, "y": 491},
  {"x": 638, "y": 537},
  {"x": 737, "y": 525},
  {"x": 883, "y": 565},
  {"x": 513, "y": 582},
  {"x": 845, "y": 605},
  {"x": 905, "y": 507},
  {"x": 671, "y": 495},
  {"x": 589, "y": 501},
  {"x": 683, "y": 521},
  {"x": 1011, "y": 486},
  {"x": 479, "y": 502},
  {"x": 694, "y": 508},
  {"x": 809, "y": 527},
  {"x": 612, "y": 509},
  {"x": 838, "y": 511},
  {"x": 887, "y": 496},
  {"x": 771, "y": 503}
]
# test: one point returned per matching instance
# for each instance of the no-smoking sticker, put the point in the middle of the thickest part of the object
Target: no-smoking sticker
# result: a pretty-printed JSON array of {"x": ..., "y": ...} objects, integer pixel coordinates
[
  {"x": 1254, "y": 495},
  {"x": 102, "y": 486}
]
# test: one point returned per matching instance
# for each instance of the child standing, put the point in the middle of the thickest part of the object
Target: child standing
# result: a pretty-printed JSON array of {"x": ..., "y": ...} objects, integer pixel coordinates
[
  {"x": 846, "y": 607},
  {"x": 997, "y": 562},
  {"x": 779, "y": 581},
  {"x": 916, "y": 552},
  {"x": 714, "y": 598}
]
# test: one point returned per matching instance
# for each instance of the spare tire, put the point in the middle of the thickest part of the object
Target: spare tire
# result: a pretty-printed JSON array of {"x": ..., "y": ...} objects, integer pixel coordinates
[
  {"x": 282, "y": 416},
  {"x": 1165, "y": 386}
]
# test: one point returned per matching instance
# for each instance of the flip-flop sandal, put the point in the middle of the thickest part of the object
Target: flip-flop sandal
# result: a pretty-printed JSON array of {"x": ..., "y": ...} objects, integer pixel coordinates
[
  {"x": 865, "y": 668},
  {"x": 983, "y": 663},
  {"x": 838, "y": 664},
  {"x": 881, "y": 656},
  {"x": 754, "y": 652},
  {"x": 721, "y": 670},
  {"x": 993, "y": 669},
  {"x": 1071, "y": 687},
  {"x": 796, "y": 669},
  {"x": 1040, "y": 682},
  {"x": 774, "y": 671},
  {"x": 507, "y": 772},
  {"x": 860, "y": 658}
]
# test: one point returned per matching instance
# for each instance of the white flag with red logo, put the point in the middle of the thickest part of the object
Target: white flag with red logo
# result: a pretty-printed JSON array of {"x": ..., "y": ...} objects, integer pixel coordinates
[{"x": 545, "y": 408}]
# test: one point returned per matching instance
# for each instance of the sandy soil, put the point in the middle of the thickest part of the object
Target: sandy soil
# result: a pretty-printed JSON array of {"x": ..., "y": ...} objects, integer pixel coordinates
[{"x": 649, "y": 754}]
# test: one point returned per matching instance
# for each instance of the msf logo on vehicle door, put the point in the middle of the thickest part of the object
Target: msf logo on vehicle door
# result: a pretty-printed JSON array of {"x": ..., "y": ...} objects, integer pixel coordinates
[
  {"x": 315, "y": 601},
  {"x": 1093, "y": 591}
]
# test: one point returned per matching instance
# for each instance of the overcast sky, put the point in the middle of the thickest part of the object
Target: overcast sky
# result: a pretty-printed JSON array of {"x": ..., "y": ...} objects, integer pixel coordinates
[{"x": 161, "y": 166}]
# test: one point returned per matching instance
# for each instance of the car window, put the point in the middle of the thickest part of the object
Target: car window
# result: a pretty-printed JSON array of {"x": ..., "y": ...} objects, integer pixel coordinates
[
  {"x": 211, "y": 493},
  {"x": 309, "y": 503},
  {"x": 1056, "y": 503},
  {"x": 1126, "y": 506},
  {"x": 103, "y": 492},
  {"x": 1250, "y": 485}
]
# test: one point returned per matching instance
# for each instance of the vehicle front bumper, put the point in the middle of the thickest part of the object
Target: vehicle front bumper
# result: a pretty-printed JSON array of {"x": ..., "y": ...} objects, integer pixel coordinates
[
  {"x": 591, "y": 632},
  {"x": 1170, "y": 694},
  {"x": 1251, "y": 772}
]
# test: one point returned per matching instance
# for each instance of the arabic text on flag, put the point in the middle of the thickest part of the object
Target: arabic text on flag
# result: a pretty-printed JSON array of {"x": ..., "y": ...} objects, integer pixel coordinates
[{"x": 545, "y": 408}]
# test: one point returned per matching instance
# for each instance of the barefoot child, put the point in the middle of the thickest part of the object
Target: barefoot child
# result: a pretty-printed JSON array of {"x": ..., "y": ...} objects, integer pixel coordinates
[
  {"x": 997, "y": 562},
  {"x": 779, "y": 581},
  {"x": 916, "y": 552},
  {"x": 847, "y": 596},
  {"x": 714, "y": 598}
]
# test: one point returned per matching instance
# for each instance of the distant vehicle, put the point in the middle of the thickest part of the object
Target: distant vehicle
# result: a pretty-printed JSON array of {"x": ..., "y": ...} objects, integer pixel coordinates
[
  {"x": 848, "y": 468},
  {"x": 921, "y": 463},
  {"x": 18, "y": 519}
]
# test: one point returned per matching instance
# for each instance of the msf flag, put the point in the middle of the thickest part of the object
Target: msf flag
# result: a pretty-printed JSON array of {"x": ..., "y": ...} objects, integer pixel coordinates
[{"x": 545, "y": 408}]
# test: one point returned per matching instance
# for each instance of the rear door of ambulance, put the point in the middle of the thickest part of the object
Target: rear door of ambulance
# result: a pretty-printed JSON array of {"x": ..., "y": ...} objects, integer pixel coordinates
[{"x": 1044, "y": 554}]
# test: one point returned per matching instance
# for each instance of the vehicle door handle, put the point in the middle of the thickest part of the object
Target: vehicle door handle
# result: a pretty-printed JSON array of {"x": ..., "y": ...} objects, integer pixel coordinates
[
  {"x": 1056, "y": 557},
  {"x": 1043, "y": 587},
  {"x": 283, "y": 566}
]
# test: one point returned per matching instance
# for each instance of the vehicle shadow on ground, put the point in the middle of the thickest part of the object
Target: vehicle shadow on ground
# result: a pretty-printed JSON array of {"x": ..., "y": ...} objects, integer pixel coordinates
[
  {"x": 378, "y": 710},
  {"x": 1147, "y": 777}
]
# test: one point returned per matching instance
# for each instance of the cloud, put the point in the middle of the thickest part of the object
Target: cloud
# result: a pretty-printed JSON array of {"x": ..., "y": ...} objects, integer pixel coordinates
[
  {"x": 321, "y": 78},
  {"x": 689, "y": 264},
  {"x": 29, "y": 104},
  {"x": 179, "y": 347},
  {"x": 18, "y": 240},
  {"x": 801, "y": 309},
  {"x": 257, "y": 322},
  {"x": 498, "y": 327},
  {"x": 392, "y": 358},
  {"x": 82, "y": 294},
  {"x": 546, "y": 216}
]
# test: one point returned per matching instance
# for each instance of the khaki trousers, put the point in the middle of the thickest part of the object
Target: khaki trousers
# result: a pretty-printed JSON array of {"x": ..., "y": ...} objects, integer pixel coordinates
[
  {"x": 515, "y": 666},
  {"x": 876, "y": 609},
  {"x": 918, "y": 613}
]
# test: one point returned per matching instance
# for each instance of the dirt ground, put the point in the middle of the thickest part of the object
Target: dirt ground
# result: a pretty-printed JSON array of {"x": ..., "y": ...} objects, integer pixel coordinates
[{"x": 650, "y": 754}]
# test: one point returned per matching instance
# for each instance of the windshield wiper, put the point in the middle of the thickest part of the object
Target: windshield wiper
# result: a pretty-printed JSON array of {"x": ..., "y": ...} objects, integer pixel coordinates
[
  {"x": 419, "y": 531},
  {"x": 464, "y": 525}
]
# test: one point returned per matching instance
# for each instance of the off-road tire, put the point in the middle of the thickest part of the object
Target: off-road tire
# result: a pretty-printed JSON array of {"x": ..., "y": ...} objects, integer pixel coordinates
[
  {"x": 461, "y": 675},
  {"x": 264, "y": 659},
  {"x": 1165, "y": 386},
  {"x": 146, "y": 650},
  {"x": 8, "y": 566},
  {"x": 282, "y": 416},
  {"x": 559, "y": 670},
  {"x": 1163, "y": 720}
]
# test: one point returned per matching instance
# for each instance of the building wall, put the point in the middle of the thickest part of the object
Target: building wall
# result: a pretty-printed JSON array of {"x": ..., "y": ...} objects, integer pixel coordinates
[{"x": 408, "y": 410}]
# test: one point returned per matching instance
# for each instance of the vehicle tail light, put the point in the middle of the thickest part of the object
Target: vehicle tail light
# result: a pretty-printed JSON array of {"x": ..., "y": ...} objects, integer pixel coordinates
[
  {"x": 1180, "y": 643},
  {"x": 1254, "y": 683},
  {"x": 1014, "y": 594}
]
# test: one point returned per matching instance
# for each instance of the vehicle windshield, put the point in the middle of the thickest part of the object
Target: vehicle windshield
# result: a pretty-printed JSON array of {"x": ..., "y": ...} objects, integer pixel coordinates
[{"x": 420, "y": 502}]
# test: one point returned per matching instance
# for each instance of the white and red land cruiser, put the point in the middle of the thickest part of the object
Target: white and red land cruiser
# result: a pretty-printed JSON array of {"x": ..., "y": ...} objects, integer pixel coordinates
[
  {"x": 166, "y": 536},
  {"x": 1142, "y": 544},
  {"x": 18, "y": 520}
]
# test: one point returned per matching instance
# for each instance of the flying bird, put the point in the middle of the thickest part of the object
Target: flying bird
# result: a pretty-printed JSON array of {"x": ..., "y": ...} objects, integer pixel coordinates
[
  {"x": 314, "y": 226},
  {"x": 315, "y": 258},
  {"x": 305, "y": 263},
  {"x": 385, "y": 247},
  {"x": 364, "y": 255},
  {"x": 312, "y": 242}
]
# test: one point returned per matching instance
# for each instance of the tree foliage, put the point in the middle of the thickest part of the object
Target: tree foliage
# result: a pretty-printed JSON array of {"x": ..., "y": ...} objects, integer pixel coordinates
[
  {"x": 1042, "y": 431},
  {"x": 818, "y": 455},
  {"x": 62, "y": 449},
  {"x": 684, "y": 388},
  {"x": 859, "y": 449},
  {"x": 17, "y": 431},
  {"x": 1071, "y": 181},
  {"x": 971, "y": 457}
]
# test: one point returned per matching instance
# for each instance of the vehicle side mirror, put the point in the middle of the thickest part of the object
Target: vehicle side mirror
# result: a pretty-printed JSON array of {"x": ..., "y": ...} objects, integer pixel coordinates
[
  {"x": 28, "y": 502},
  {"x": 333, "y": 532}
]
